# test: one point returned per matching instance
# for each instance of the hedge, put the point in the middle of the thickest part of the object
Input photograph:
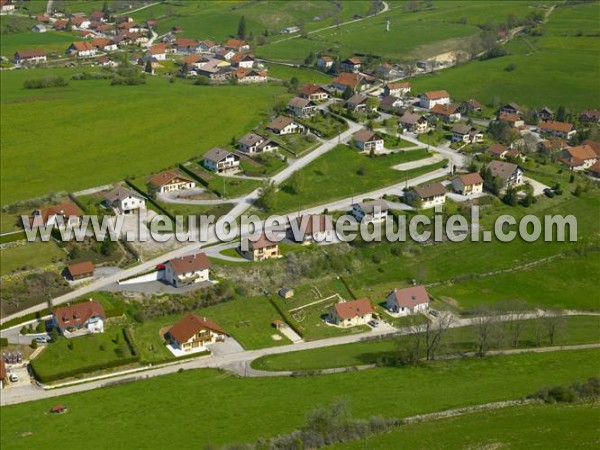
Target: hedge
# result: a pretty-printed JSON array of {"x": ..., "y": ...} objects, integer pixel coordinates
[
  {"x": 285, "y": 314},
  {"x": 81, "y": 370}
]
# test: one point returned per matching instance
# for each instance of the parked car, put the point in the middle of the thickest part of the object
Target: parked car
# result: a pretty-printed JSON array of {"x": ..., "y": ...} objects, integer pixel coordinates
[
  {"x": 42, "y": 340},
  {"x": 374, "y": 323},
  {"x": 13, "y": 377},
  {"x": 434, "y": 313},
  {"x": 549, "y": 193}
]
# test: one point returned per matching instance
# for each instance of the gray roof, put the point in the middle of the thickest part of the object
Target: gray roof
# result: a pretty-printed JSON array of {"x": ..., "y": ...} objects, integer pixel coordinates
[
  {"x": 299, "y": 102},
  {"x": 462, "y": 128},
  {"x": 410, "y": 118},
  {"x": 501, "y": 169},
  {"x": 251, "y": 139},
  {"x": 369, "y": 206},
  {"x": 357, "y": 99},
  {"x": 431, "y": 190},
  {"x": 217, "y": 154}
]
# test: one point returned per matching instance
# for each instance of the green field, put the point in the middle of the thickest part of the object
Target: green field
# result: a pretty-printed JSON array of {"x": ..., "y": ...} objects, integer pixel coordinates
[
  {"x": 120, "y": 131},
  {"x": 521, "y": 427},
  {"x": 32, "y": 255},
  {"x": 412, "y": 35},
  {"x": 578, "y": 330},
  {"x": 322, "y": 180},
  {"x": 535, "y": 79},
  {"x": 50, "y": 41},
  {"x": 304, "y": 75},
  {"x": 250, "y": 403}
]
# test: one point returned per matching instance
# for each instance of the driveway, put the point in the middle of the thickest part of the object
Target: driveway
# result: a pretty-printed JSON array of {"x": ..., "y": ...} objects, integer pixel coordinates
[{"x": 538, "y": 188}]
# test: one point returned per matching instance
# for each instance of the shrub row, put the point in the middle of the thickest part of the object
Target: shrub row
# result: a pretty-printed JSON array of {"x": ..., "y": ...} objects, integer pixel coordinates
[
  {"x": 46, "y": 82},
  {"x": 577, "y": 392}
]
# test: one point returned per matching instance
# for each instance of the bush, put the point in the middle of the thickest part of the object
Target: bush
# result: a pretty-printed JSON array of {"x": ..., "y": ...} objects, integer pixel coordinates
[
  {"x": 46, "y": 82},
  {"x": 3, "y": 342},
  {"x": 590, "y": 390},
  {"x": 34, "y": 344},
  {"x": 510, "y": 67},
  {"x": 41, "y": 327}
]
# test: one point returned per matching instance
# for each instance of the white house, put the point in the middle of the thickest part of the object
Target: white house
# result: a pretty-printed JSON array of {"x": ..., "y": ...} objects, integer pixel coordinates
[
  {"x": 169, "y": 181},
  {"x": 413, "y": 122},
  {"x": 60, "y": 216},
  {"x": 187, "y": 270},
  {"x": 408, "y": 300},
  {"x": 367, "y": 140},
  {"x": 311, "y": 228},
  {"x": 325, "y": 62},
  {"x": 352, "y": 64},
  {"x": 468, "y": 184},
  {"x": 562, "y": 130},
  {"x": 397, "y": 89},
  {"x": 83, "y": 318},
  {"x": 351, "y": 314},
  {"x": 285, "y": 125},
  {"x": 466, "y": 133},
  {"x": 429, "y": 196},
  {"x": 510, "y": 174},
  {"x": 7, "y": 6},
  {"x": 30, "y": 56},
  {"x": 432, "y": 98},
  {"x": 302, "y": 107},
  {"x": 125, "y": 201},
  {"x": 221, "y": 161},
  {"x": 82, "y": 49},
  {"x": 255, "y": 143},
  {"x": 579, "y": 158},
  {"x": 193, "y": 333},
  {"x": 374, "y": 211}
]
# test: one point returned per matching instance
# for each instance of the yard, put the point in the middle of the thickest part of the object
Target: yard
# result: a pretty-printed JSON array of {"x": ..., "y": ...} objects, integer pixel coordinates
[
  {"x": 144, "y": 139},
  {"x": 249, "y": 402},
  {"x": 31, "y": 255},
  {"x": 327, "y": 126}
]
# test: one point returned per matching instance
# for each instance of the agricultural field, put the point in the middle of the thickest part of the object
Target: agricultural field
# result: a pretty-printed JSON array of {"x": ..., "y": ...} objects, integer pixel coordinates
[
  {"x": 576, "y": 330},
  {"x": 532, "y": 426},
  {"x": 251, "y": 401},
  {"x": 30, "y": 255},
  {"x": 144, "y": 139},
  {"x": 304, "y": 75},
  {"x": 535, "y": 64},
  {"x": 449, "y": 25},
  {"x": 51, "y": 41}
]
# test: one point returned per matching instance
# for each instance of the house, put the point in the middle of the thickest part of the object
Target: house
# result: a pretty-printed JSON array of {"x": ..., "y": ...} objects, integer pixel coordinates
[
  {"x": 466, "y": 133},
  {"x": 39, "y": 28},
  {"x": 186, "y": 45},
  {"x": 354, "y": 81},
  {"x": 285, "y": 125},
  {"x": 579, "y": 158},
  {"x": 169, "y": 181},
  {"x": 208, "y": 46},
  {"x": 397, "y": 89},
  {"x": 590, "y": 116},
  {"x": 514, "y": 120},
  {"x": 224, "y": 53},
  {"x": 447, "y": 113},
  {"x": 255, "y": 143},
  {"x": 242, "y": 60},
  {"x": 124, "y": 200},
  {"x": 88, "y": 316},
  {"x": 81, "y": 49},
  {"x": 432, "y": 98},
  {"x": 407, "y": 301},
  {"x": 237, "y": 45},
  {"x": 104, "y": 44},
  {"x": 250, "y": 76},
  {"x": 502, "y": 152},
  {"x": 193, "y": 333},
  {"x": 97, "y": 16},
  {"x": 553, "y": 145},
  {"x": 468, "y": 184},
  {"x": 311, "y": 227},
  {"x": 350, "y": 314},
  {"x": 302, "y": 107},
  {"x": 415, "y": 123},
  {"x": 559, "y": 129},
  {"x": 60, "y": 216},
  {"x": 545, "y": 113},
  {"x": 594, "y": 144},
  {"x": 286, "y": 293},
  {"x": 367, "y": 140},
  {"x": 510, "y": 108},
  {"x": 391, "y": 104},
  {"x": 595, "y": 170},
  {"x": 325, "y": 62},
  {"x": 221, "y": 161},
  {"x": 373, "y": 211},
  {"x": 351, "y": 65},
  {"x": 80, "y": 270},
  {"x": 313, "y": 92},
  {"x": 159, "y": 51},
  {"x": 386, "y": 71},
  {"x": 30, "y": 56},
  {"x": 7, "y": 6},
  {"x": 136, "y": 38},
  {"x": 510, "y": 174},
  {"x": 60, "y": 24},
  {"x": 187, "y": 270},
  {"x": 472, "y": 105},
  {"x": 291, "y": 30},
  {"x": 80, "y": 23},
  {"x": 428, "y": 196},
  {"x": 262, "y": 249},
  {"x": 358, "y": 102}
]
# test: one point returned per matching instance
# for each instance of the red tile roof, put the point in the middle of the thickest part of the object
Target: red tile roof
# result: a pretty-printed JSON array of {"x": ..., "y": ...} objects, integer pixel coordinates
[
  {"x": 366, "y": 136},
  {"x": 431, "y": 190},
  {"x": 444, "y": 110},
  {"x": 262, "y": 242},
  {"x": 497, "y": 149},
  {"x": 595, "y": 145},
  {"x": 162, "y": 178},
  {"x": 82, "y": 46},
  {"x": 436, "y": 95},
  {"x": 235, "y": 43},
  {"x": 3, "y": 373},
  {"x": 470, "y": 179},
  {"x": 355, "y": 308},
  {"x": 190, "y": 263},
  {"x": 82, "y": 268},
  {"x": 551, "y": 125},
  {"x": 349, "y": 79},
  {"x": 314, "y": 223},
  {"x": 79, "y": 314},
  {"x": 411, "y": 297},
  {"x": 66, "y": 209},
  {"x": 582, "y": 152},
  {"x": 25, "y": 54},
  {"x": 190, "y": 325}
]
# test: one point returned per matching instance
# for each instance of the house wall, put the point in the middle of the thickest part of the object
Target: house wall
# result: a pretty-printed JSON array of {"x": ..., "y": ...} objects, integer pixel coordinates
[{"x": 352, "y": 322}]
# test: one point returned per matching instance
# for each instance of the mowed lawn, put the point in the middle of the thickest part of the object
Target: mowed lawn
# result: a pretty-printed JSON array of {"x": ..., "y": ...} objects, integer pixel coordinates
[
  {"x": 541, "y": 65},
  {"x": 33, "y": 254},
  {"x": 155, "y": 413},
  {"x": 91, "y": 133},
  {"x": 26, "y": 40},
  {"x": 524, "y": 427},
  {"x": 344, "y": 171},
  {"x": 577, "y": 330}
]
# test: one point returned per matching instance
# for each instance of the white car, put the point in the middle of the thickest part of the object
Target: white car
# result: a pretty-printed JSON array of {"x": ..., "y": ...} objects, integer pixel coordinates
[{"x": 13, "y": 377}]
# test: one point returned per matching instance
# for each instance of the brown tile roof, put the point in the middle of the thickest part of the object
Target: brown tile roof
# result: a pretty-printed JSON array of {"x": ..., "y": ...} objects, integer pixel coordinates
[
  {"x": 404, "y": 85},
  {"x": 348, "y": 310},
  {"x": 235, "y": 43},
  {"x": 309, "y": 89},
  {"x": 595, "y": 145},
  {"x": 511, "y": 118},
  {"x": 262, "y": 242},
  {"x": 159, "y": 48},
  {"x": 251, "y": 139},
  {"x": 354, "y": 60},
  {"x": 120, "y": 193},
  {"x": 280, "y": 123},
  {"x": 191, "y": 59},
  {"x": 349, "y": 79},
  {"x": 431, "y": 190},
  {"x": 299, "y": 102},
  {"x": 190, "y": 325},
  {"x": 436, "y": 95},
  {"x": 552, "y": 125},
  {"x": 3, "y": 373},
  {"x": 78, "y": 314},
  {"x": 366, "y": 136},
  {"x": 497, "y": 149},
  {"x": 65, "y": 209},
  {"x": 82, "y": 46},
  {"x": 554, "y": 144},
  {"x": 190, "y": 263},
  {"x": 186, "y": 42},
  {"x": 410, "y": 118},
  {"x": 411, "y": 296},
  {"x": 101, "y": 42},
  {"x": 502, "y": 170},
  {"x": 444, "y": 110},
  {"x": 327, "y": 59},
  {"x": 595, "y": 168},
  {"x": 463, "y": 128},
  {"x": 162, "y": 178},
  {"x": 470, "y": 179},
  {"x": 313, "y": 223},
  {"x": 81, "y": 268},
  {"x": 34, "y": 53},
  {"x": 582, "y": 152}
]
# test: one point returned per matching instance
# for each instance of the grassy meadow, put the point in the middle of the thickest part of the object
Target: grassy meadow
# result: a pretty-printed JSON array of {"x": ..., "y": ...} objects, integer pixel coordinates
[
  {"x": 119, "y": 131},
  {"x": 248, "y": 403},
  {"x": 33, "y": 254}
]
